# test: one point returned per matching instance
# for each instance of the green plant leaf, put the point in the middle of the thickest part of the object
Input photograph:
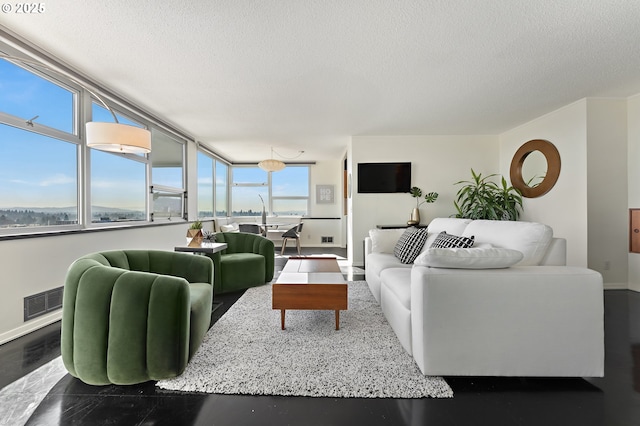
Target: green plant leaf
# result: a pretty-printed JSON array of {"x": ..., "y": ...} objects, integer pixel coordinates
[
  {"x": 431, "y": 197},
  {"x": 483, "y": 198}
]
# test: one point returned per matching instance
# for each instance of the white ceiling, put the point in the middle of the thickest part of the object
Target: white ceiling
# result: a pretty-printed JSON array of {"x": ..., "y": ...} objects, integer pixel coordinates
[{"x": 242, "y": 76}]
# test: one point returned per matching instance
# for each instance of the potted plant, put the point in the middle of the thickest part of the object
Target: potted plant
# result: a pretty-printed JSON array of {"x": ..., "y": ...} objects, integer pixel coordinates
[
  {"x": 194, "y": 233},
  {"x": 416, "y": 193},
  {"x": 482, "y": 198}
]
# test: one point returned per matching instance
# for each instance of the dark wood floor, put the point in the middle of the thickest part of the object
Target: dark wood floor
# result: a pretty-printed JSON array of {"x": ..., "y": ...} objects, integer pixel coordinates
[{"x": 612, "y": 400}]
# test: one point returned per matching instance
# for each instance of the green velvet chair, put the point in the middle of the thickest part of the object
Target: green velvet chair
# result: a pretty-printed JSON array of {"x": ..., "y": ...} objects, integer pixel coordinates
[
  {"x": 247, "y": 262},
  {"x": 131, "y": 316}
]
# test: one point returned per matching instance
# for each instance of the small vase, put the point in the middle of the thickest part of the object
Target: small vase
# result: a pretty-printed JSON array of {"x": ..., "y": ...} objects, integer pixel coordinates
[{"x": 415, "y": 217}]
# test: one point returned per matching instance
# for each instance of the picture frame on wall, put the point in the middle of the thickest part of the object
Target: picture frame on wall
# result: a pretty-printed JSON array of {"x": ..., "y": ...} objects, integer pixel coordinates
[{"x": 325, "y": 194}]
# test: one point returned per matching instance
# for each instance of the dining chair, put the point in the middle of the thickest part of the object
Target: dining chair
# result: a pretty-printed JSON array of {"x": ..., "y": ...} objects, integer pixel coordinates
[
  {"x": 292, "y": 234},
  {"x": 250, "y": 228}
]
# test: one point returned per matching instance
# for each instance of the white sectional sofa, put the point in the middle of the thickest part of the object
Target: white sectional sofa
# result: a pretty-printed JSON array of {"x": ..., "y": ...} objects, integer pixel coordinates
[{"x": 477, "y": 317}]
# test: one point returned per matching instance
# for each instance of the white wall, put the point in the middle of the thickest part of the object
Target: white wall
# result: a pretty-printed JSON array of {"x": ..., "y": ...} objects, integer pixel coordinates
[
  {"x": 325, "y": 173},
  {"x": 564, "y": 208},
  {"x": 34, "y": 265},
  {"x": 588, "y": 204},
  {"x": 607, "y": 193},
  {"x": 437, "y": 163},
  {"x": 633, "y": 158}
]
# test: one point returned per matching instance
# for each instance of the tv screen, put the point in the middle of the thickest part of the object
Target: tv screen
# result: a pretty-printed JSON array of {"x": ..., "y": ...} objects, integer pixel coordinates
[{"x": 384, "y": 177}]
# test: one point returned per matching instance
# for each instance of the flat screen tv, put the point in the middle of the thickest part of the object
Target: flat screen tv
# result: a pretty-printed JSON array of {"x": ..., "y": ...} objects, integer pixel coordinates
[{"x": 376, "y": 178}]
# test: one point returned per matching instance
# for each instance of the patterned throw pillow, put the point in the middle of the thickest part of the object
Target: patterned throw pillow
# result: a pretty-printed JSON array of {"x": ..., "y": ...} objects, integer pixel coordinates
[
  {"x": 410, "y": 244},
  {"x": 444, "y": 240}
]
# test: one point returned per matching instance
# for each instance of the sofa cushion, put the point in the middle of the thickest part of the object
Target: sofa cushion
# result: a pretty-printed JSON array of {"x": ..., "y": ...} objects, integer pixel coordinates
[
  {"x": 384, "y": 240},
  {"x": 378, "y": 262},
  {"x": 410, "y": 244},
  {"x": 529, "y": 238},
  {"x": 469, "y": 258},
  {"x": 232, "y": 227},
  {"x": 451, "y": 225},
  {"x": 444, "y": 240}
]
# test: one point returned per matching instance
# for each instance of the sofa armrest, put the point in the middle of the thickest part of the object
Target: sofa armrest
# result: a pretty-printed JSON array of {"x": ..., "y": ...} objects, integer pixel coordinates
[
  {"x": 519, "y": 321},
  {"x": 266, "y": 248},
  {"x": 368, "y": 249},
  {"x": 556, "y": 254},
  {"x": 195, "y": 269}
]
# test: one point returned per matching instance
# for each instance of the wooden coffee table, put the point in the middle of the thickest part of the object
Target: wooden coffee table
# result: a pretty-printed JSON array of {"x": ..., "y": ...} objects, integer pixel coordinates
[{"x": 310, "y": 283}]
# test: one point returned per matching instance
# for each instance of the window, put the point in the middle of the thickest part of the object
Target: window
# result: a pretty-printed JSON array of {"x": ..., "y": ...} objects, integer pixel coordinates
[
  {"x": 212, "y": 185},
  {"x": 167, "y": 158},
  {"x": 31, "y": 97},
  {"x": 39, "y": 151},
  {"x": 38, "y": 180},
  {"x": 205, "y": 185},
  {"x": 45, "y": 166},
  {"x": 250, "y": 187},
  {"x": 290, "y": 191},
  {"x": 118, "y": 181},
  {"x": 118, "y": 188},
  {"x": 285, "y": 193},
  {"x": 167, "y": 204}
]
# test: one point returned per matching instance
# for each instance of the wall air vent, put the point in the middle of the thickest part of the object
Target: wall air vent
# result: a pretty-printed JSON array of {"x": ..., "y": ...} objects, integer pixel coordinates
[{"x": 42, "y": 303}]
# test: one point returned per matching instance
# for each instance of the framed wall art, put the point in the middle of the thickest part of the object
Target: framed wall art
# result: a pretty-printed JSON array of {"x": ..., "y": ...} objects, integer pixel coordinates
[{"x": 325, "y": 194}]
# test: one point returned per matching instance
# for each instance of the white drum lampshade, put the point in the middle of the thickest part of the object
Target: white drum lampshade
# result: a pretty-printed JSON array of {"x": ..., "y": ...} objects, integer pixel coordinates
[{"x": 117, "y": 137}]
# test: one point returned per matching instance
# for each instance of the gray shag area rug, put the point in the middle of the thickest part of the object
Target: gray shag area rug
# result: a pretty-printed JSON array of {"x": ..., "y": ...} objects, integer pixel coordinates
[{"x": 246, "y": 352}]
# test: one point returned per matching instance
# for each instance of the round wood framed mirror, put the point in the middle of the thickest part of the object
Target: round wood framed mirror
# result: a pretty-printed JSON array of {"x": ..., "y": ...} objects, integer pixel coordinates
[{"x": 537, "y": 179}]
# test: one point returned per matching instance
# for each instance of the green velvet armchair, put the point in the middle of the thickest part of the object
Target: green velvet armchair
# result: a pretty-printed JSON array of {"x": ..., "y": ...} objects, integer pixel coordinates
[
  {"x": 131, "y": 316},
  {"x": 247, "y": 262}
]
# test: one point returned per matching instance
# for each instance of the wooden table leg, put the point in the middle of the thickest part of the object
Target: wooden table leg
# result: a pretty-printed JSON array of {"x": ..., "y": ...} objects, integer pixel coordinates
[
  {"x": 337, "y": 319},
  {"x": 282, "y": 318}
]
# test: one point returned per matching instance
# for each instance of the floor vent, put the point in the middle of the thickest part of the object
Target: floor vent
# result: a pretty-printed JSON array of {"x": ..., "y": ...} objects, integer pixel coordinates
[
  {"x": 327, "y": 239},
  {"x": 42, "y": 303}
]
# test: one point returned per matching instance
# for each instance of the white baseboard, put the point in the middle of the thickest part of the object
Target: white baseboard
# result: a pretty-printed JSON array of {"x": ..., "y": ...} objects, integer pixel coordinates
[
  {"x": 31, "y": 326},
  {"x": 616, "y": 286}
]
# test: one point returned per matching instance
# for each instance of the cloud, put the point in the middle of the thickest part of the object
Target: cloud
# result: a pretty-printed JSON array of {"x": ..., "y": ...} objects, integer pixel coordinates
[
  {"x": 57, "y": 179},
  {"x": 20, "y": 182},
  {"x": 53, "y": 180},
  {"x": 97, "y": 184}
]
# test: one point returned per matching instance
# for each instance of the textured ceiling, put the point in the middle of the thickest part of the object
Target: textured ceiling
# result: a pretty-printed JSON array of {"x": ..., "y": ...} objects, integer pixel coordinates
[{"x": 242, "y": 76}]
